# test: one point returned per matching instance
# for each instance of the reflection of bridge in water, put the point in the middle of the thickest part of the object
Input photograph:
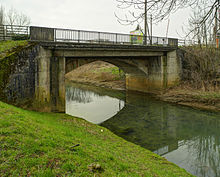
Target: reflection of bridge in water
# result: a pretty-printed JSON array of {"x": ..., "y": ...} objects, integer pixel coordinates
[
  {"x": 187, "y": 137},
  {"x": 146, "y": 122}
]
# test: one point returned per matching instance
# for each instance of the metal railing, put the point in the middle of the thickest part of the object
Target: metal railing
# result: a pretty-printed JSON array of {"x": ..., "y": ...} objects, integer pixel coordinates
[
  {"x": 81, "y": 36},
  {"x": 183, "y": 42},
  {"x": 14, "y": 32}
]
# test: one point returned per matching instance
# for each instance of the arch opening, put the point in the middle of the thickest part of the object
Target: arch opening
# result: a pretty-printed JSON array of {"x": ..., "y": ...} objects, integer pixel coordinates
[{"x": 96, "y": 72}]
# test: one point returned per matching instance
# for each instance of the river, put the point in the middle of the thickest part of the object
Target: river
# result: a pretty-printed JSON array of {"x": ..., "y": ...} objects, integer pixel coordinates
[{"x": 185, "y": 136}]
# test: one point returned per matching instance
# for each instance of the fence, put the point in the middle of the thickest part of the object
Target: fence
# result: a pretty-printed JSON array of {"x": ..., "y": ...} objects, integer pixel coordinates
[
  {"x": 81, "y": 36},
  {"x": 14, "y": 32}
]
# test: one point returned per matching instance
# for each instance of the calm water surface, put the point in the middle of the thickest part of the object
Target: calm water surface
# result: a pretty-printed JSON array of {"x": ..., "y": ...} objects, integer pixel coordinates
[{"x": 187, "y": 137}]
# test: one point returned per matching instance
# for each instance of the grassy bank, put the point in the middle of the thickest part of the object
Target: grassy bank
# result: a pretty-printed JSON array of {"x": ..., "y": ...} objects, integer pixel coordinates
[
  {"x": 39, "y": 144},
  {"x": 7, "y": 47},
  {"x": 188, "y": 96}
]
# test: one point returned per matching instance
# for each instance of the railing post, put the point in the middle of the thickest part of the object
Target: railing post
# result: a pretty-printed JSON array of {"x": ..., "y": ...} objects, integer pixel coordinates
[
  {"x": 4, "y": 32},
  {"x": 99, "y": 40},
  {"x": 27, "y": 28},
  {"x": 6, "y": 29},
  {"x": 145, "y": 39},
  {"x": 151, "y": 40},
  {"x": 131, "y": 39},
  {"x": 78, "y": 36},
  {"x": 55, "y": 34}
]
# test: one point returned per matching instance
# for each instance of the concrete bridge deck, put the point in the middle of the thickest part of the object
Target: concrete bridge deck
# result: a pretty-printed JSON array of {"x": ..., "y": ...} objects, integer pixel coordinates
[
  {"x": 105, "y": 50},
  {"x": 71, "y": 45}
]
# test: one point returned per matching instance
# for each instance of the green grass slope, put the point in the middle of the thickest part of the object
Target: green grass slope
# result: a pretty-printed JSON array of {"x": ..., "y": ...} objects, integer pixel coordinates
[
  {"x": 7, "y": 47},
  {"x": 39, "y": 144}
]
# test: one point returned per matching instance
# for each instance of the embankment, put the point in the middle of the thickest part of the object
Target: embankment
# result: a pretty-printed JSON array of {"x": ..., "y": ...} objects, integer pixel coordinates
[
  {"x": 196, "y": 98},
  {"x": 49, "y": 144}
]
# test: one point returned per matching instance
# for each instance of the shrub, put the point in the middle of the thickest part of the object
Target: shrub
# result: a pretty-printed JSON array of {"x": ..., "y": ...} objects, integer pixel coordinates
[
  {"x": 18, "y": 37},
  {"x": 201, "y": 67}
]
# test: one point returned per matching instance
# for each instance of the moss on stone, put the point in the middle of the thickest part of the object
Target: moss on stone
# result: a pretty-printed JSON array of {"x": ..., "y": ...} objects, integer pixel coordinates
[
  {"x": 8, "y": 61},
  {"x": 7, "y": 46}
]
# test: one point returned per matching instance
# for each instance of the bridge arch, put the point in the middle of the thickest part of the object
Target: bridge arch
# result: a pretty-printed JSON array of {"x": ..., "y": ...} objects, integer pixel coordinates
[{"x": 123, "y": 64}]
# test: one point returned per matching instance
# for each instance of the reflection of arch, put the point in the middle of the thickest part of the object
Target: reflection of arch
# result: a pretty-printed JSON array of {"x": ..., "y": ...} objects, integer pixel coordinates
[
  {"x": 78, "y": 95},
  {"x": 84, "y": 101}
]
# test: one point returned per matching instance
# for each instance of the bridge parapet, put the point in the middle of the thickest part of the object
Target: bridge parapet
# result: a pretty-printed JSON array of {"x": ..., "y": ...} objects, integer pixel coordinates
[{"x": 42, "y": 34}]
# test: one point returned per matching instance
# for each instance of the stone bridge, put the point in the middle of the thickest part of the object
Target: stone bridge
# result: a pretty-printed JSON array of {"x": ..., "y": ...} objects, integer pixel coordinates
[{"x": 150, "y": 67}]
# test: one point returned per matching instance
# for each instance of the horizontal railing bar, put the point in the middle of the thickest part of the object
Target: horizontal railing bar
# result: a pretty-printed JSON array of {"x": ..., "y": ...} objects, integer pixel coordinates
[{"x": 15, "y": 26}]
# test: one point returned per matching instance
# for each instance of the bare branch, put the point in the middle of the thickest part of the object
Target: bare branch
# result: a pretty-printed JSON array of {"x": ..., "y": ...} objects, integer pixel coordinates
[{"x": 13, "y": 17}]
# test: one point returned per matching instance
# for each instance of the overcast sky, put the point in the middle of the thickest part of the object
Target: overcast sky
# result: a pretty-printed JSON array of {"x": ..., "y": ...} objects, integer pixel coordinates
[{"x": 88, "y": 15}]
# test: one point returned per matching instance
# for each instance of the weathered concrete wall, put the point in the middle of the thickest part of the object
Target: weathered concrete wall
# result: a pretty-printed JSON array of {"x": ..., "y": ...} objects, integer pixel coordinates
[
  {"x": 50, "y": 82},
  {"x": 57, "y": 83},
  {"x": 33, "y": 77},
  {"x": 42, "y": 34},
  {"x": 17, "y": 75},
  {"x": 155, "y": 78},
  {"x": 42, "y": 83},
  {"x": 161, "y": 72},
  {"x": 174, "y": 68}
]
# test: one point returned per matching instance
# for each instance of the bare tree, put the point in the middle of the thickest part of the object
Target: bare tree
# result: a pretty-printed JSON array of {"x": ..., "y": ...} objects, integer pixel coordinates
[
  {"x": 23, "y": 20},
  {"x": 161, "y": 9},
  {"x": 11, "y": 16},
  {"x": 15, "y": 18},
  {"x": 1, "y": 15},
  {"x": 204, "y": 23}
]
